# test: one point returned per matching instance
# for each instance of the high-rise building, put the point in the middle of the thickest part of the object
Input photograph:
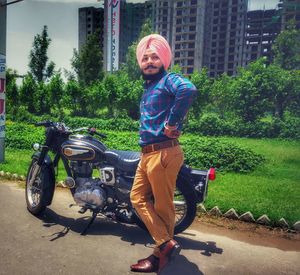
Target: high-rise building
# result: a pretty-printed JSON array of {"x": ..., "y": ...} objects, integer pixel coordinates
[
  {"x": 224, "y": 36},
  {"x": 290, "y": 10},
  {"x": 90, "y": 20},
  {"x": 182, "y": 24},
  {"x": 262, "y": 27},
  {"x": 133, "y": 16}
]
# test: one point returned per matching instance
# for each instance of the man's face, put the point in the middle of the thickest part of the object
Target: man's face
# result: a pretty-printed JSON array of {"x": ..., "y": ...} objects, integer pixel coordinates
[{"x": 151, "y": 64}]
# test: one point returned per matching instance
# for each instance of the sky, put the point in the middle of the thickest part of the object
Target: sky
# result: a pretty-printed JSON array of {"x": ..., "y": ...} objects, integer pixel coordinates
[{"x": 26, "y": 19}]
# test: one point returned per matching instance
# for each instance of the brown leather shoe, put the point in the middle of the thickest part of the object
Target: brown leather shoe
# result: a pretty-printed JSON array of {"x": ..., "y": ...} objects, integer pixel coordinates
[
  {"x": 146, "y": 265},
  {"x": 167, "y": 253}
]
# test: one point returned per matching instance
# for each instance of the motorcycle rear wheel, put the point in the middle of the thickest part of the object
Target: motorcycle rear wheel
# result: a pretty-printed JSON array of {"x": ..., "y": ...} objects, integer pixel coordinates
[
  {"x": 185, "y": 207},
  {"x": 39, "y": 192}
]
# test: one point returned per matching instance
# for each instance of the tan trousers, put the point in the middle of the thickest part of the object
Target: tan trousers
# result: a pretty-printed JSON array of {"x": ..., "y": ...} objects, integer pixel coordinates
[{"x": 156, "y": 178}]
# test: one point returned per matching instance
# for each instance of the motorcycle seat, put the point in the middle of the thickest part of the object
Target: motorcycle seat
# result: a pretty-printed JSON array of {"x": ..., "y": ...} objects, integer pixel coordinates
[{"x": 124, "y": 160}]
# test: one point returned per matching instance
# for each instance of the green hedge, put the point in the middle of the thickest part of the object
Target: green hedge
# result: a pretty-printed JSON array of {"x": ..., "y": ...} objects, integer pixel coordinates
[
  {"x": 210, "y": 124},
  {"x": 200, "y": 152}
]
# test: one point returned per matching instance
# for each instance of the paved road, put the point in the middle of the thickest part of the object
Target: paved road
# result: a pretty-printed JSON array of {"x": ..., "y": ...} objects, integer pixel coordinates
[{"x": 53, "y": 245}]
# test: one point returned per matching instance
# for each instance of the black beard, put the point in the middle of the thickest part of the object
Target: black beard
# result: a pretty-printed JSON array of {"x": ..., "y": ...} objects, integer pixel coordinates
[{"x": 152, "y": 77}]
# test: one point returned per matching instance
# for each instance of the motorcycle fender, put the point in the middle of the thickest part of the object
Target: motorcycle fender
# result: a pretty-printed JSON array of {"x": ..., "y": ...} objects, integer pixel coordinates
[
  {"x": 195, "y": 180},
  {"x": 50, "y": 184},
  {"x": 47, "y": 161}
]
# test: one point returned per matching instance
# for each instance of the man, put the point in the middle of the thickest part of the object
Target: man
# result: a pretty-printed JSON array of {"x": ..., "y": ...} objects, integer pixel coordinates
[{"x": 163, "y": 106}]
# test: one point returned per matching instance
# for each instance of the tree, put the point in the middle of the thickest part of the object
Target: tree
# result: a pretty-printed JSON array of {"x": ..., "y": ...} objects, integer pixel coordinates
[
  {"x": 203, "y": 85},
  {"x": 287, "y": 48},
  {"x": 88, "y": 62},
  {"x": 282, "y": 88},
  {"x": 248, "y": 93},
  {"x": 131, "y": 66},
  {"x": 55, "y": 88},
  {"x": 12, "y": 91},
  {"x": 27, "y": 91},
  {"x": 38, "y": 59}
]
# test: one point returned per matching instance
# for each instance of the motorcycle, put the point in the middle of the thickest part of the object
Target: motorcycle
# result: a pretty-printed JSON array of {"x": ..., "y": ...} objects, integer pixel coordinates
[{"x": 109, "y": 193}]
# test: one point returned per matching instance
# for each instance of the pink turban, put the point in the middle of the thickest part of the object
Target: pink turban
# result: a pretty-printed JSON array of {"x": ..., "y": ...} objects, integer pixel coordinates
[{"x": 159, "y": 45}]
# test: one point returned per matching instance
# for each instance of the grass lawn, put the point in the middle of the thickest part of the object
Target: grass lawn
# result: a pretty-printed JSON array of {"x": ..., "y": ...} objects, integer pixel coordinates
[{"x": 272, "y": 189}]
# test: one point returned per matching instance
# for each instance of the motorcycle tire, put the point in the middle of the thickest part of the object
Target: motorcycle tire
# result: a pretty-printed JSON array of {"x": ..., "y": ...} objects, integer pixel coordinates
[
  {"x": 185, "y": 207},
  {"x": 40, "y": 193}
]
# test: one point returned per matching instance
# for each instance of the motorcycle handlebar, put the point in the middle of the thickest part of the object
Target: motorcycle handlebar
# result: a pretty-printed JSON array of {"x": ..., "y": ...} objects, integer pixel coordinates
[
  {"x": 48, "y": 123},
  {"x": 92, "y": 131}
]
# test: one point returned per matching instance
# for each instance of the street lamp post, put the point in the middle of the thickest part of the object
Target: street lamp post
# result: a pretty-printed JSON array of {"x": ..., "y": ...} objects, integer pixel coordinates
[
  {"x": 2, "y": 75},
  {"x": 3, "y": 5}
]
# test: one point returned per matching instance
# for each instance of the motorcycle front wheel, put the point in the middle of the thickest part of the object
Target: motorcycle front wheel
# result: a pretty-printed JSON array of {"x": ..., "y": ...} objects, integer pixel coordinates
[
  {"x": 185, "y": 207},
  {"x": 40, "y": 191}
]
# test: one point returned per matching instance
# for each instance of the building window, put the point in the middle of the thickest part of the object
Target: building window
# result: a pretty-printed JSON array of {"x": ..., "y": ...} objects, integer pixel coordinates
[
  {"x": 192, "y": 36},
  {"x": 179, "y": 12},
  {"x": 193, "y": 19},
  {"x": 192, "y": 28},
  {"x": 193, "y": 2},
  {"x": 178, "y": 21},
  {"x": 191, "y": 45},
  {"x": 190, "y": 70},
  {"x": 179, "y": 4},
  {"x": 178, "y": 37},
  {"x": 190, "y": 62},
  {"x": 177, "y": 54},
  {"x": 177, "y": 46},
  {"x": 178, "y": 29},
  {"x": 193, "y": 11},
  {"x": 190, "y": 53}
]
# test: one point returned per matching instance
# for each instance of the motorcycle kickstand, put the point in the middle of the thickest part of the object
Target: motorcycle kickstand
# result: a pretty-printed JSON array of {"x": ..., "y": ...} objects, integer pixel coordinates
[{"x": 89, "y": 224}]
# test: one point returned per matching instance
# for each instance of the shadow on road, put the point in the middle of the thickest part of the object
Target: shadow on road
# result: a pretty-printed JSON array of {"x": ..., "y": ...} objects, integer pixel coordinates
[{"x": 131, "y": 234}]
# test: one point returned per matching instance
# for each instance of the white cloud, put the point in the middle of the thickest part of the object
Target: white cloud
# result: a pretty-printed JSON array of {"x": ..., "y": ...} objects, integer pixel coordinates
[{"x": 262, "y": 4}]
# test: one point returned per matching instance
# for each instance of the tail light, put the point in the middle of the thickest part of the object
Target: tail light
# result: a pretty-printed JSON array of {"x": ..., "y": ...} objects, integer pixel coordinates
[{"x": 212, "y": 174}]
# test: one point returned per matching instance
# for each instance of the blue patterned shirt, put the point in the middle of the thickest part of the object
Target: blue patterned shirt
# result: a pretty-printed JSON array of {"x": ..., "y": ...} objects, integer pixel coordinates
[{"x": 165, "y": 100}]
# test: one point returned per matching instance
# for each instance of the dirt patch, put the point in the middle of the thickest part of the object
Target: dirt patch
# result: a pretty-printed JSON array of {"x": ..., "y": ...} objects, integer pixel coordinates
[{"x": 251, "y": 233}]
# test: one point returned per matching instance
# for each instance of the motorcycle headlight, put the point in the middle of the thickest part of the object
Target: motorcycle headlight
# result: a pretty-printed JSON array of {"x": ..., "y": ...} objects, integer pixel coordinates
[{"x": 36, "y": 146}]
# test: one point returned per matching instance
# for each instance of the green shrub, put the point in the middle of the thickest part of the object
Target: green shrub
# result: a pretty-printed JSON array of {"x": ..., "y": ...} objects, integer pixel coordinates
[
  {"x": 225, "y": 156},
  {"x": 22, "y": 136}
]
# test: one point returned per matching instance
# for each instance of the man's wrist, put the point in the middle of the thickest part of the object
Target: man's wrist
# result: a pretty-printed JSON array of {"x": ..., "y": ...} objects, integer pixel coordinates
[{"x": 169, "y": 127}]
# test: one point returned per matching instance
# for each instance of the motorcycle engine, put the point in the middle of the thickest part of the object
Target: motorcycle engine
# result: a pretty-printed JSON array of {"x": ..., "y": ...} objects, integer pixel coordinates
[{"x": 89, "y": 193}]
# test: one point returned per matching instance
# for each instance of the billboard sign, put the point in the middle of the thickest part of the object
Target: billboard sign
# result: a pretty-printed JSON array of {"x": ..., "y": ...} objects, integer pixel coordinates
[{"x": 113, "y": 34}]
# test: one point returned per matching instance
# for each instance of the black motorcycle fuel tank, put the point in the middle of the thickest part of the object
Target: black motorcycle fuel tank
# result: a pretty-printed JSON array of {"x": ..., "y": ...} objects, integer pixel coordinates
[{"x": 83, "y": 148}]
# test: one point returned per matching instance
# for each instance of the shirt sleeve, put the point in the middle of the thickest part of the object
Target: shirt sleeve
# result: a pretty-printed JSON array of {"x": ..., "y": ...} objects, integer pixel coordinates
[{"x": 184, "y": 92}]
